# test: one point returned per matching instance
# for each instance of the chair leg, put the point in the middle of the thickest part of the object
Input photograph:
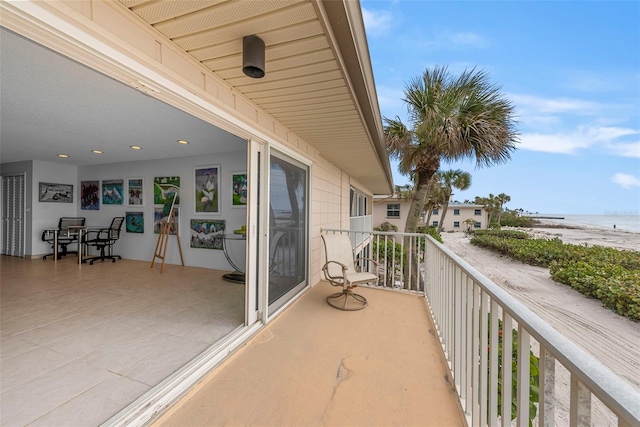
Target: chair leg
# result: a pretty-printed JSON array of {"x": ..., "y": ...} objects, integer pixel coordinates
[{"x": 340, "y": 300}]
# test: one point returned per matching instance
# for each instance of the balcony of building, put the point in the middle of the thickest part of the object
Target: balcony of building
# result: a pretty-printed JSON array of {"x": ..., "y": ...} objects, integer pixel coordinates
[{"x": 86, "y": 346}]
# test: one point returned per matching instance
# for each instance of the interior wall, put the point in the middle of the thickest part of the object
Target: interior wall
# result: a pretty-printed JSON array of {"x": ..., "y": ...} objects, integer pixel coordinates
[{"x": 140, "y": 246}]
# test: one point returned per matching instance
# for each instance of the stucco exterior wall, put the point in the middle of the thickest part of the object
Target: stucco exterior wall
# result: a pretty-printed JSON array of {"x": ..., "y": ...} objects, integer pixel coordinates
[{"x": 466, "y": 212}]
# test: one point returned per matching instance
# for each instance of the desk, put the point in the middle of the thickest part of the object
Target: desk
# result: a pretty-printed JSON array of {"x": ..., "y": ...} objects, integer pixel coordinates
[
  {"x": 72, "y": 230},
  {"x": 238, "y": 275},
  {"x": 79, "y": 229}
]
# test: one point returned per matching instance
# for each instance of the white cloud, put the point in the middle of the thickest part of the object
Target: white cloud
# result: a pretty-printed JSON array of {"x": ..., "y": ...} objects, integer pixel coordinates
[
  {"x": 625, "y": 180},
  {"x": 536, "y": 105},
  {"x": 549, "y": 143},
  {"x": 377, "y": 22},
  {"x": 581, "y": 138},
  {"x": 630, "y": 149}
]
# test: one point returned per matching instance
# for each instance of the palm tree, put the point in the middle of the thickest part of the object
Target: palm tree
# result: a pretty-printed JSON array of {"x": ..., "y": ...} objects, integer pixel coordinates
[
  {"x": 451, "y": 118},
  {"x": 451, "y": 179},
  {"x": 502, "y": 199},
  {"x": 490, "y": 204},
  {"x": 435, "y": 197}
]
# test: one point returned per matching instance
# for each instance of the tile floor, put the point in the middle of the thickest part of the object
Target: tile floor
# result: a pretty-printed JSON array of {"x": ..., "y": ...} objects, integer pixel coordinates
[{"x": 78, "y": 344}]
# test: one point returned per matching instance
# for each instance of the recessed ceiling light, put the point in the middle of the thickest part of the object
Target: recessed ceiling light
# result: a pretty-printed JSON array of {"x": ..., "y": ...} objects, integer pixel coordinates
[
  {"x": 96, "y": 151},
  {"x": 135, "y": 147},
  {"x": 64, "y": 156},
  {"x": 182, "y": 141}
]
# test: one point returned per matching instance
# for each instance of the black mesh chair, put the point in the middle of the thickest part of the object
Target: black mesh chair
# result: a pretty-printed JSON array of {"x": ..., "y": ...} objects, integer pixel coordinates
[
  {"x": 66, "y": 235},
  {"x": 103, "y": 239}
]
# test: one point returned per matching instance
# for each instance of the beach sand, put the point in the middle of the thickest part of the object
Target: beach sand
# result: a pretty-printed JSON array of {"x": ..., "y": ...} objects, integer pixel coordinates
[{"x": 612, "y": 339}]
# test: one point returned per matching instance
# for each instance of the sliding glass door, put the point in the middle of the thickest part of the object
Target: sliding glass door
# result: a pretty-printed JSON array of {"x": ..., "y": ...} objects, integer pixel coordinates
[{"x": 288, "y": 229}]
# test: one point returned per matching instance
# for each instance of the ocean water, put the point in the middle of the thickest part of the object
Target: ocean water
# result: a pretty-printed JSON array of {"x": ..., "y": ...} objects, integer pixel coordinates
[{"x": 622, "y": 222}]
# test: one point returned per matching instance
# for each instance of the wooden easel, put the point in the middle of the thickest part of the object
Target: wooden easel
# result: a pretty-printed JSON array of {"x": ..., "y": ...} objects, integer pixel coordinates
[{"x": 166, "y": 225}]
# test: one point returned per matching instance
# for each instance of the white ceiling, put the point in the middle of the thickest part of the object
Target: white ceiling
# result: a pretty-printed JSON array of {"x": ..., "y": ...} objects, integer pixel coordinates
[{"x": 51, "y": 105}]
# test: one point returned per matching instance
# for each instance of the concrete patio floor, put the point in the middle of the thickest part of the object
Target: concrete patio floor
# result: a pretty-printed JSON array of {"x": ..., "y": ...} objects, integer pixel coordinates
[{"x": 318, "y": 366}]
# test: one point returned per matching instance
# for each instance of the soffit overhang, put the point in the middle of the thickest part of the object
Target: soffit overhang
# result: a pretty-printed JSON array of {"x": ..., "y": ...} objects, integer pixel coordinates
[{"x": 318, "y": 83}]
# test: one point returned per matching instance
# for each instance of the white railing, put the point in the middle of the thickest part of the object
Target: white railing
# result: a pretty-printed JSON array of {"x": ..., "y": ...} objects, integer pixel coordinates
[
  {"x": 562, "y": 383},
  {"x": 398, "y": 268}
]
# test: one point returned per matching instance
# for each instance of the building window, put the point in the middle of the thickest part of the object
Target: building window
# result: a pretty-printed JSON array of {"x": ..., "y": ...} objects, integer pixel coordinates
[
  {"x": 477, "y": 225},
  {"x": 477, "y": 212},
  {"x": 456, "y": 224},
  {"x": 434, "y": 223},
  {"x": 456, "y": 211},
  {"x": 434, "y": 212},
  {"x": 393, "y": 210}
]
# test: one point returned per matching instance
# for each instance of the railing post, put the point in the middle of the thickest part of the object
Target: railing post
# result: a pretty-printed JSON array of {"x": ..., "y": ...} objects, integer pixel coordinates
[
  {"x": 580, "y": 404},
  {"x": 507, "y": 373},
  {"x": 493, "y": 369},
  {"x": 484, "y": 356},
  {"x": 546, "y": 409},
  {"x": 524, "y": 376}
]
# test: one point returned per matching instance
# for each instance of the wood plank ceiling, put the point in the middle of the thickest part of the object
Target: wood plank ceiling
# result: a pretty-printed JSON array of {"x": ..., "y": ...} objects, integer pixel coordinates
[{"x": 307, "y": 86}]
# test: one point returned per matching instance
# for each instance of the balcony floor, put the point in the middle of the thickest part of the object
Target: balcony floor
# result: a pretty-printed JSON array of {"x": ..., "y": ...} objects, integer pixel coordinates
[{"x": 315, "y": 365}]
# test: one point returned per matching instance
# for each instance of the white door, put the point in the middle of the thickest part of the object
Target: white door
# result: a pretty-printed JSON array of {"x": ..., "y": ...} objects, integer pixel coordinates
[{"x": 12, "y": 238}]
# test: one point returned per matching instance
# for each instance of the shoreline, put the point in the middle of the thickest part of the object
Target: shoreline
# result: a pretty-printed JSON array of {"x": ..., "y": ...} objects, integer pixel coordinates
[
  {"x": 583, "y": 234},
  {"x": 555, "y": 223}
]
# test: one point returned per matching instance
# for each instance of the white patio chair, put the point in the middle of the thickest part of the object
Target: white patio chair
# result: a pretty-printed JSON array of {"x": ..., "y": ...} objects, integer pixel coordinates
[{"x": 340, "y": 270}]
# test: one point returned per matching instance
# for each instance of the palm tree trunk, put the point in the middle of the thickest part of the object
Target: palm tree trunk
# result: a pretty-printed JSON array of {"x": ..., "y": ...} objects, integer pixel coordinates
[
  {"x": 444, "y": 214},
  {"x": 429, "y": 208},
  {"x": 419, "y": 199}
]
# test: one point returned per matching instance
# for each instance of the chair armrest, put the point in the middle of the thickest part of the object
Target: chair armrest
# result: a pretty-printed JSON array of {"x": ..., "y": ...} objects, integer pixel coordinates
[
  {"x": 325, "y": 268},
  {"x": 376, "y": 264},
  {"x": 95, "y": 234}
]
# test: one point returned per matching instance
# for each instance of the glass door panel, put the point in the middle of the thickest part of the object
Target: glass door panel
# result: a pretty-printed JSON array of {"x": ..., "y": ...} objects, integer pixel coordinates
[{"x": 288, "y": 229}]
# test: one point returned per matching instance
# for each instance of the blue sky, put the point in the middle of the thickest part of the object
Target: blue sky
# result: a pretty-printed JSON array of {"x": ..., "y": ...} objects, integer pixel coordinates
[{"x": 572, "y": 69}]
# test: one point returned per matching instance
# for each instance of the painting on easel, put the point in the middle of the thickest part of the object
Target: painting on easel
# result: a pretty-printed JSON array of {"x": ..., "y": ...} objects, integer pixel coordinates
[{"x": 162, "y": 214}]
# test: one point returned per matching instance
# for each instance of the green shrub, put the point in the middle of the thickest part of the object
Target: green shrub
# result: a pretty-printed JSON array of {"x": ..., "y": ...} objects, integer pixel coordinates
[
  {"x": 506, "y": 234},
  {"x": 386, "y": 226},
  {"x": 513, "y": 220},
  {"x": 431, "y": 231},
  {"x": 609, "y": 274},
  {"x": 615, "y": 286}
]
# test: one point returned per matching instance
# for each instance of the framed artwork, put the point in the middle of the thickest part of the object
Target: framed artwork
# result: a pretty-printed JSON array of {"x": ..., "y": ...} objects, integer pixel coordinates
[
  {"x": 158, "y": 216},
  {"x": 207, "y": 233},
  {"x": 112, "y": 192},
  {"x": 135, "y": 191},
  {"x": 58, "y": 193},
  {"x": 164, "y": 187},
  {"x": 135, "y": 222},
  {"x": 90, "y": 195},
  {"x": 207, "y": 189},
  {"x": 239, "y": 189}
]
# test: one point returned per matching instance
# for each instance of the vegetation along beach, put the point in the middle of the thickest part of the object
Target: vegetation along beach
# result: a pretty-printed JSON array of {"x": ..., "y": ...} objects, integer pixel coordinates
[{"x": 610, "y": 335}]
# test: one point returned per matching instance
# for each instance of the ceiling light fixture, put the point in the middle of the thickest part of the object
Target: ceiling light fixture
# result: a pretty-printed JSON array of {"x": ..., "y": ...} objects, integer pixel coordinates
[
  {"x": 64, "y": 156},
  {"x": 253, "y": 56},
  {"x": 96, "y": 151},
  {"x": 183, "y": 142},
  {"x": 135, "y": 147}
]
